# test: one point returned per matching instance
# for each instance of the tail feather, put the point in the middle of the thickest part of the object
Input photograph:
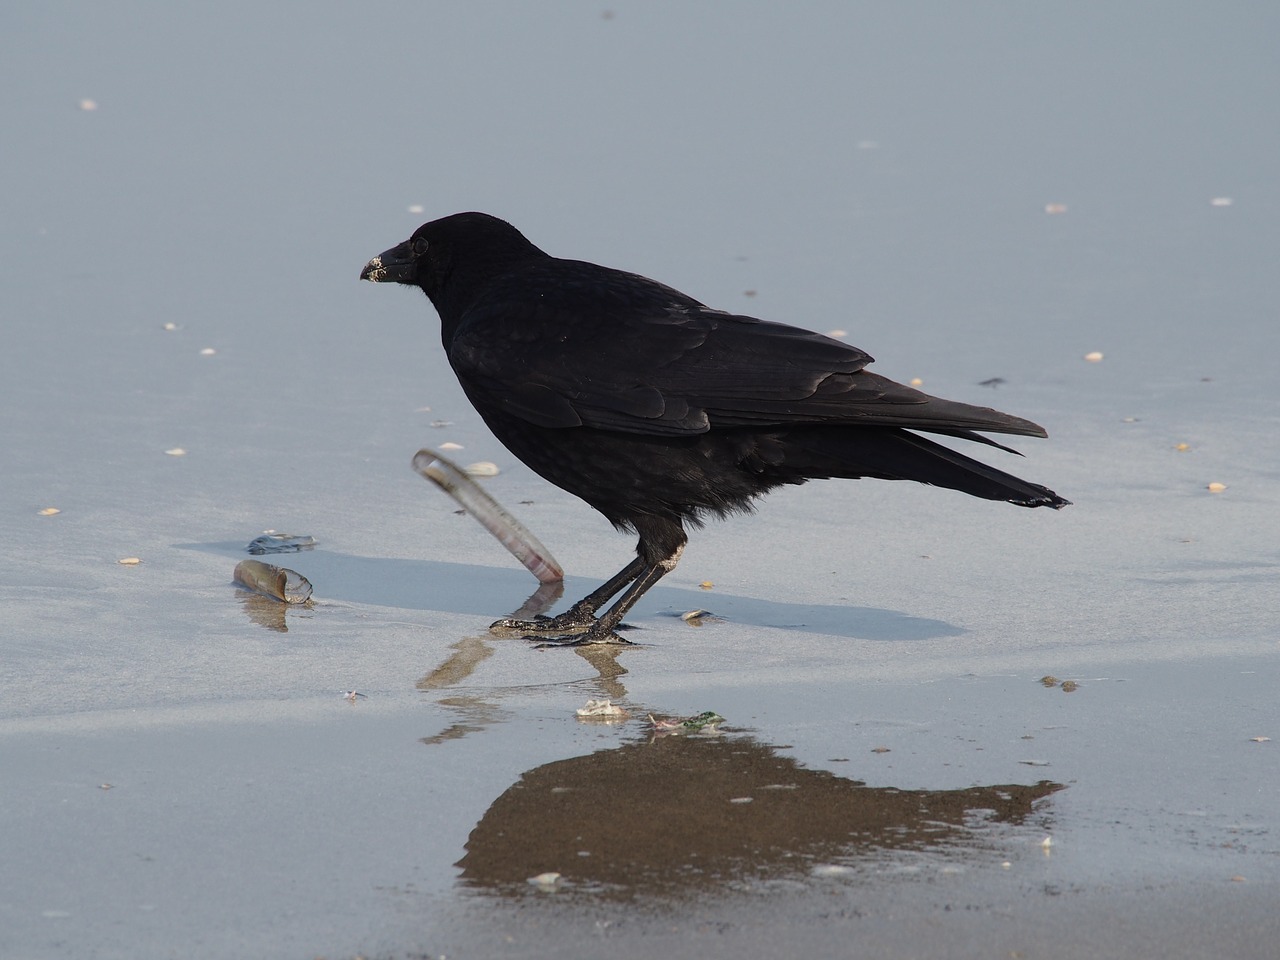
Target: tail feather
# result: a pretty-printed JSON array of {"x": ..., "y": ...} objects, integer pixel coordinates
[{"x": 897, "y": 454}]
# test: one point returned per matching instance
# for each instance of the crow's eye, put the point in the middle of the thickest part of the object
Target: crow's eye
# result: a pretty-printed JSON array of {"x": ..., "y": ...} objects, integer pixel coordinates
[{"x": 419, "y": 246}]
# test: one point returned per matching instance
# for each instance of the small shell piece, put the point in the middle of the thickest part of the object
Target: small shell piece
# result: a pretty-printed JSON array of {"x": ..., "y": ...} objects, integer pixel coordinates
[
  {"x": 279, "y": 583},
  {"x": 1093, "y": 356},
  {"x": 1216, "y": 487},
  {"x": 129, "y": 561},
  {"x": 49, "y": 512}
]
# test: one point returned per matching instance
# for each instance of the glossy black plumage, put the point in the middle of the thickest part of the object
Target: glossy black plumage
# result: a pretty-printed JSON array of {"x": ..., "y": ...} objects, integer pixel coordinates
[{"x": 658, "y": 410}]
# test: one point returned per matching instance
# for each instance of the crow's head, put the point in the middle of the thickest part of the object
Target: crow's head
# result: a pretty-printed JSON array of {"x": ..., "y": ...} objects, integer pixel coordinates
[{"x": 445, "y": 256}]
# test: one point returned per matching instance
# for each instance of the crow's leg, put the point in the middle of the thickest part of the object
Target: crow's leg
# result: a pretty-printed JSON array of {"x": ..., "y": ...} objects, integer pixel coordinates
[
  {"x": 582, "y": 614},
  {"x": 659, "y": 549}
]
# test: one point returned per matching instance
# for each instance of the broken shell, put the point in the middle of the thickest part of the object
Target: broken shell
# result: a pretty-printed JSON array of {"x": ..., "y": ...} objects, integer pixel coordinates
[
  {"x": 278, "y": 583},
  {"x": 208, "y": 352},
  {"x": 1055, "y": 208},
  {"x": 511, "y": 533},
  {"x": 917, "y": 382},
  {"x": 272, "y": 542},
  {"x": 129, "y": 561},
  {"x": 1216, "y": 487},
  {"x": 707, "y": 720},
  {"x": 48, "y": 512},
  {"x": 1094, "y": 356},
  {"x": 482, "y": 469},
  {"x": 176, "y": 452},
  {"x": 601, "y": 710}
]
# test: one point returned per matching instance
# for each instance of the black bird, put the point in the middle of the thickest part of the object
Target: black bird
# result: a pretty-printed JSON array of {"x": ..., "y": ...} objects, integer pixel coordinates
[{"x": 658, "y": 410}]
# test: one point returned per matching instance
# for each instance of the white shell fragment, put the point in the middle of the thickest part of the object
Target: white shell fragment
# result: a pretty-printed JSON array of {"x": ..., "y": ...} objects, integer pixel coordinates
[
  {"x": 1055, "y": 208},
  {"x": 48, "y": 512},
  {"x": 129, "y": 561},
  {"x": 1094, "y": 356},
  {"x": 601, "y": 709},
  {"x": 511, "y": 533},
  {"x": 88, "y": 105},
  {"x": 1216, "y": 487},
  {"x": 208, "y": 352},
  {"x": 450, "y": 445},
  {"x": 1221, "y": 201},
  {"x": 175, "y": 452},
  {"x": 545, "y": 881},
  {"x": 482, "y": 469}
]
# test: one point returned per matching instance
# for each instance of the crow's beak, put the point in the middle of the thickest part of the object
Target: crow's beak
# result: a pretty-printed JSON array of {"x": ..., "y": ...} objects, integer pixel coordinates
[{"x": 392, "y": 266}]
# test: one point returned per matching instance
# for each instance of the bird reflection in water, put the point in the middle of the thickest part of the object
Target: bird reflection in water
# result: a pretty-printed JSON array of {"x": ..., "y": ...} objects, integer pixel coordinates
[{"x": 681, "y": 816}]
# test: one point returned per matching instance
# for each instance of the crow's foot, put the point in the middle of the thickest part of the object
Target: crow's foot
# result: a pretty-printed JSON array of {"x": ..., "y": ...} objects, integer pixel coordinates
[{"x": 591, "y": 637}]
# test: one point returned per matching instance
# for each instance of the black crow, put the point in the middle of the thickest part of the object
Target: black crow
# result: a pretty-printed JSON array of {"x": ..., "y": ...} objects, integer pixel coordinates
[{"x": 658, "y": 410}]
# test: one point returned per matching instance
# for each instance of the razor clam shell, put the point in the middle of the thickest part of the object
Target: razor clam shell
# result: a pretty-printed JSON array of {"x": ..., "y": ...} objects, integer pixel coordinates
[{"x": 511, "y": 533}]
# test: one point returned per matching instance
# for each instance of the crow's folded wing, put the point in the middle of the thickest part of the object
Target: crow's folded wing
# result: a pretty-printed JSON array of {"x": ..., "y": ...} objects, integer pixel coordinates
[{"x": 685, "y": 370}]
